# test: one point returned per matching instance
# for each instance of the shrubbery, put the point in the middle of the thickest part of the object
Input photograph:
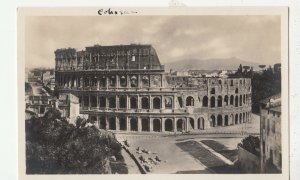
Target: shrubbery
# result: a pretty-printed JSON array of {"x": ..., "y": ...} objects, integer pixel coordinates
[
  {"x": 53, "y": 146},
  {"x": 251, "y": 144}
]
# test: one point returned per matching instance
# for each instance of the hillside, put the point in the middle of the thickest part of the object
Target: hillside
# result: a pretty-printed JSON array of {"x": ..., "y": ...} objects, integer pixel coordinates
[{"x": 208, "y": 64}]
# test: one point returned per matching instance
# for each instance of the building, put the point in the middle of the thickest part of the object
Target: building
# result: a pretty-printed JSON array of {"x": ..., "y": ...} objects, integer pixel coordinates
[
  {"x": 125, "y": 87},
  {"x": 270, "y": 134}
]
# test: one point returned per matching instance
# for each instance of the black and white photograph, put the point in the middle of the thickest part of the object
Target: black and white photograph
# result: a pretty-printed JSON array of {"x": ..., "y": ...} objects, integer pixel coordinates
[{"x": 167, "y": 91}]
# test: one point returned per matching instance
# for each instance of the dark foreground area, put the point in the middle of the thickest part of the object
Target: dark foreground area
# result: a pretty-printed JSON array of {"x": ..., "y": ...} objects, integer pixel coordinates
[{"x": 53, "y": 146}]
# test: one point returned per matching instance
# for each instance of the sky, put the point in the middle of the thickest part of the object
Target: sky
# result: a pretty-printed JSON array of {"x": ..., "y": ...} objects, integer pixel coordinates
[{"x": 250, "y": 38}]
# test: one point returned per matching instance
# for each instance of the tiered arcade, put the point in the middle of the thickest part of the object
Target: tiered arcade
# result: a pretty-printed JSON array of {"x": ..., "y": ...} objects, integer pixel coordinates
[{"x": 125, "y": 88}]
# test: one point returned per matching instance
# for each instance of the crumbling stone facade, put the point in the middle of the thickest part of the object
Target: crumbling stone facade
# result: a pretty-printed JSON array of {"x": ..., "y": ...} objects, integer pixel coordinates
[{"x": 125, "y": 88}]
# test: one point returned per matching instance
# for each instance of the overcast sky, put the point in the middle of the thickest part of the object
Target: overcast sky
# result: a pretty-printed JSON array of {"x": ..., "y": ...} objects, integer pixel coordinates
[{"x": 250, "y": 38}]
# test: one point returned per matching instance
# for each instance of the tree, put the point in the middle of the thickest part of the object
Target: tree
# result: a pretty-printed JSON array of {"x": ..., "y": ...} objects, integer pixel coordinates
[{"x": 262, "y": 66}]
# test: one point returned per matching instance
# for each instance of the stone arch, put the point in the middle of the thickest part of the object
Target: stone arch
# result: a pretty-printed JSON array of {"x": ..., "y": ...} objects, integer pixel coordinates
[
  {"x": 103, "y": 81},
  {"x": 212, "y": 121},
  {"x": 145, "y": 81},
  {"x": 244, "y": 99},
  {"x": 231, "y": 118},
  {"x": 156, "y": 125},
  {"x": 112, "y": 81},
  {"x": 189, "y": 101},
  {"x": 180, "y": 124},
  {"x": 102, "y": 101},
  {"x": 112, "y": 123},
  {"x": 133, "y": 81},
  {"x": 93, "y": 99},
  {"x": 201, "y": 123},
  {"x": 85, "y": 101},
  {"x": 213, "y": 91},
  {"x": 241, "y": 100},
  {"x": 219, "y": 120},
  {"x": 192, "y": 123},
  {"x": 236, "y": 119},
  {"x": 123, "y": 102},
  {"x": 180, "y": 101},
  {"x": 102, "y": 122},
  {"x": 123, "y": 81},
  {"x": 168, "y": 102},
  {"x": 220, "y": 101},
  {"x": 145, "y": 124},
  {"x": 236, "y": 101},
  {"x": 241, "y": 117},
  {"x": 236, "y": 90},
  {"x": 226, "y": 119},
  {"x": 145, "y": 103},
  {"x": 156, "y": 103},
  {"x": 205, "y": 101},
  {"x": 168, "y": 125},
  {"x": 226, "y": 100},
  {"x": 212, "y": 101},
  {"x": 112, "y": 102},
  {"x": 231, "y": 100},
  {"x": 123, "y": 123},
  {"x": 244, "y": 117},
  {"x": 134, "y": 124},
  {"x": 133, "y": 103}
]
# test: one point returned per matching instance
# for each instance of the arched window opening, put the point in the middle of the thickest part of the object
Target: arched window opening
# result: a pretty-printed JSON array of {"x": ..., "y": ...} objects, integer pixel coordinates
[
  {"x": 236, "y": 101},
  {"x": 168, "y": 125},
  {"x": 145, "y": 81},
  {"x": 133, "y": 81},
  {"x": 205, "y": 101},
  {"x": 212, "y": 121},
  {"x": 236, "y": 119},
  {"x": 103, "y": 81},
  {"x": 102, "y": 101},
  {"x": 220, "y": 101},
  {"x": 123, "y": 81},
  {"x": 236, "y": 90},
  {"x": 213, "y": 91},
  {"x": 212, "y": 101},
  {"x": 133, "y": 124},
  {"x": 168, "y": 102},
  {"x": 180, "y": 101},
  {"x": 226, "y": 120},
  {"x": 112, "y": 123},
  {"x": 112, "y": 82},
  {"x": 156, "y": 125},
  {"x": 145, "y": 124},
  {"x": 192, "y": 123},
  {"x": 112, "y": 102},
  {"x": 180, "y": 125},
  {"x": 226, "y": 100},
  {"x": 200, "y": 123},
  {"x": 133, "y": 103},
  {"x": 156, "y": 103},
  {"x": 123, "y": 124},
  {"x": 102, "y": 123},
  {"x": 123, "y": 102},
  {"x": 219, "y": 120},
  {"x": 190, "y": 101},
  {"x": 231, "y": 100},
  {"x": 93, "y": 101},
  {"x": 145, "y": 103}
]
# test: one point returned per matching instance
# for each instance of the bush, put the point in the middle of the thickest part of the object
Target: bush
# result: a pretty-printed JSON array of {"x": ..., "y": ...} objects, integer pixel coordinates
[
  {"x": 53, "y": 146},
  {"x": 251, "y": 144}
]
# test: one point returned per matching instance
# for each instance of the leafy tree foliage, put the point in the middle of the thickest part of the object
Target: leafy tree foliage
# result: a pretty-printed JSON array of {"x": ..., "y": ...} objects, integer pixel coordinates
[
  {"x": 53, "y": 146},
  {"x": 251, "y": 144}
]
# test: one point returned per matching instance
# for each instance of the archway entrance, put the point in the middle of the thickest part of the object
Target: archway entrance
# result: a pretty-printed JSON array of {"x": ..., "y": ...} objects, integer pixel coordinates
[
  {"x": 133, "y": 124},
  {"x": 226, "y": 120},
  {"x": 180, "y": 125},
  {"x": 156, "y": 125},
  {"x": 212, "y": 121},
  {"x": 145, "y": 124},
  {"x": 123, "y": 124},
  {"x": 192, "y": 125},
  {"x": 219, "y": 121},
  {"x": 102, "y": 123},
  {"x": 236, "y": 119},
  {"x": 168, "y": 125},
  {"x": 112, "y": 123},
  {"x": 200, "y": 123}
]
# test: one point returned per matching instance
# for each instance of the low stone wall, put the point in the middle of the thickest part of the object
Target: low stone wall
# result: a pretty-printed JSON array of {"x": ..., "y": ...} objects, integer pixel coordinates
[{"x": 248, "y": 162}]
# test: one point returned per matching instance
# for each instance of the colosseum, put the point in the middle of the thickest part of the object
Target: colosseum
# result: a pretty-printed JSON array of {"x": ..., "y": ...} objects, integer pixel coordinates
[{"x": 125, "y": 88}]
